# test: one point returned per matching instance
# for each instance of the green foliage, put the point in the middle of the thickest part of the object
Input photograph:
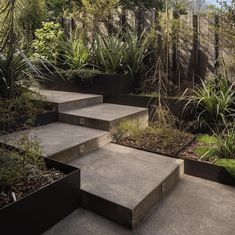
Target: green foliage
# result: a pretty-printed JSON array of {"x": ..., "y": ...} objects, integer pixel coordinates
[
  {"x": 31, "y": 151},
  {"x": 99, "y": 8},
  {"x": 12, "y": 69},
  {"x": 121, "y": 53},
  {"x": 127, "y": 128},
  {"x": 229, "y": 164},
  {"x": 214, "y": 101},
  {"x": 207, "y": 139},
  {"x": 58, "y": 7},
  {"x": 207, "y": 147},
  {"x": 16, "y": 165},
  {"x": 30, "y": 18},
  {"x": 135, "y": 51},
  {"x": 85, "y": 74},
  {"x": 226, "y": 143},
  {"x": 109, "y": 54},
  {"x": 11, "y": 170},
  {"x": 75, "y": 51},
  {"x": 220, "y": 145},
  {"x": 15, "y": 67},
  {"x": 19, "y": 106},
  {"x": 47, "y": 42}
]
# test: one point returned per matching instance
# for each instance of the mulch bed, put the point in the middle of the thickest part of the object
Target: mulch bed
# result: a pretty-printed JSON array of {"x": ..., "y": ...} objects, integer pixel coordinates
[
  {"x": 165, "y": 141},
  {"x": 35, "y": 180}
]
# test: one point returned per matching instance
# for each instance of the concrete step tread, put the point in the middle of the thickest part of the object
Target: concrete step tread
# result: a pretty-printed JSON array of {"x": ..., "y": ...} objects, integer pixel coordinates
[
  {"x": 123, "y": 175},
  {"x": 106, "y": 111},
  {"x": 62, "y": 96},
  {"x": 56, "y": 137}
]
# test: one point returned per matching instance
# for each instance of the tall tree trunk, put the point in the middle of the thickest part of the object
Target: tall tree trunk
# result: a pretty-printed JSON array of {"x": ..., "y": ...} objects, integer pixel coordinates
[
  {"x": 139, "y": 20},
  {"x": 216, "y": 47},
  {"x": 123, "y": 20},
  {"x": 196, "y": 49},
  {"x": 175, "y": 51},
  {"x": 109, "y": 24}
]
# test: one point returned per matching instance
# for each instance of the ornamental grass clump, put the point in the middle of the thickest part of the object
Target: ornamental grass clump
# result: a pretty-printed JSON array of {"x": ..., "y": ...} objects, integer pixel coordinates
[
  {"x": 214, "y": 102},
  {"x": 136, "y": 49},
  {"x": 76, "y": 52},
  {"x": 109, "y": 54}
]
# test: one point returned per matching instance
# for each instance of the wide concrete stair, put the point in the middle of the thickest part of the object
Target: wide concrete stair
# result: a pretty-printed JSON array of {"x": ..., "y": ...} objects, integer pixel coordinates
[
  {"x": 70, "y": 100},
  {"x": 117, "y": 182},
  {"x": 123, "y": 184},
  {"x": 61, "y": 141},
  {"x": 104, "y": 116}
]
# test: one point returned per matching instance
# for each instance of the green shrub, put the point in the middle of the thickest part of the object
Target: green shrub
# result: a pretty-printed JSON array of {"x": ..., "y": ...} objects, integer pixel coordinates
[
  {"x": 127, "y": 128},
  {"x": 109, "y": 54},
  {"x": 47, "y": 42},
  {"x": 11, "y": 170},
  {"x": 218, "y": 146},
  {"x": 229, "y": 164},
  {"x": 214, "y": 101},
  {"x": 135, "y": 52},
  {"x": 76, "y": 52},
  {"x": 226, "y": 143},
  {"x": 207, "y": 147},
  {"x": 85, "y": 74},
  {"x": 12, "y": 69},
  {"x": 15, "y": 165},
  {"x": 31, "y": 15}
]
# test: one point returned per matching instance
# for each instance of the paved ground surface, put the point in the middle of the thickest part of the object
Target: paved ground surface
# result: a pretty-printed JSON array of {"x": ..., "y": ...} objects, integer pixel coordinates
[
  {"x": 194, "y": 207},
  {"x": 55, "y": 137},
  {"x": 107, "y": 112},
  {"x": 119, "y": 174}
]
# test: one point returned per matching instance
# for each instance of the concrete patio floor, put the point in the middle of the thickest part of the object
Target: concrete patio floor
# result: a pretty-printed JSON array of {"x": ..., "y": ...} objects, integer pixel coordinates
[{"x": 194, "y": 207}]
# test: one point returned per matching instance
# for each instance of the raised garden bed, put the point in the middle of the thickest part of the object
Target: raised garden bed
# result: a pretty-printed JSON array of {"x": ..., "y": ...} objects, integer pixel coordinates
[
  {"x": 20, "y": 123},
  {"x": 159, "y": 140},
  {"x": 46, "y": 115},
  {"x": 108, "y": 85},
  {"x": 38, "y": 211},
  {"x": 175, "y": 104}
]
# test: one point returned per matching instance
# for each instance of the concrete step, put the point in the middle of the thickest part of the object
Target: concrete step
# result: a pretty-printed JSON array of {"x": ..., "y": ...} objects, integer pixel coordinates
[
  {"x": 71, "y": 100},
  {"x": 195, "y": 206},
  {"x": 61, "y": 141},
  {"x": 122, "y": 183},
  {"x": 104, "y": 116}
]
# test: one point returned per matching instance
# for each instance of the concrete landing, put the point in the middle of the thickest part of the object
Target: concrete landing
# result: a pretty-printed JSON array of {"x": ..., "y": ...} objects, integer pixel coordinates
[
  {"x": 62, "y": 141},
  {"x": 194, "y": 207},
  {"x": 104, "y": 116},
  {"x": 122, "y": 183},
  {"x": 71, "y": 100}
]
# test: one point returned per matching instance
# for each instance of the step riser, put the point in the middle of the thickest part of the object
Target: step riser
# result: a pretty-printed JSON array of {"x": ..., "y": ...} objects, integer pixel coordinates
[
  {"x": 81, "y": 103},
  {"x": 107, "y": 209},
  {"x": 84, "y": 121},
  {"x": 80, "y": 150},
  {"x": 157, "y": 194},
  {"x": 125, "y": 216},
  {"x": 141, "y": 117}
]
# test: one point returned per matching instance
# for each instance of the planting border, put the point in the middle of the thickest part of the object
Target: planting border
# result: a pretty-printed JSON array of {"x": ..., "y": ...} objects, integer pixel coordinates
[
  {"x": 41, "y": 119},
  {"x": 40, "y": 210},
  {"x": 175, "y": 105}
]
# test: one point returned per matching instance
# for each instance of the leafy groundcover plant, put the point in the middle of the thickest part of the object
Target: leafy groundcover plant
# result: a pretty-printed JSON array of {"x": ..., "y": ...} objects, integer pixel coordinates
[
  {"x": 218, "y": 149},
  {"x": 23, "y": 172}
]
